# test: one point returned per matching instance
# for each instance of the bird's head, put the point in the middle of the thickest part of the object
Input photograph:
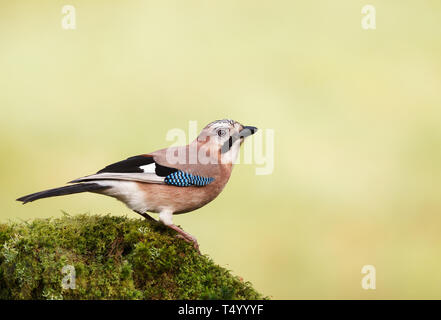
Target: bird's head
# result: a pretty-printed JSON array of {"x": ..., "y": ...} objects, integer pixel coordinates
[{"x": 223, "y": 139}]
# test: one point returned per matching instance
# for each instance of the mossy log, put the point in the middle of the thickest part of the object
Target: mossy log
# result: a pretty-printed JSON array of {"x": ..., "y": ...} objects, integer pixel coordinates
[{"x": 108, "y": 257}]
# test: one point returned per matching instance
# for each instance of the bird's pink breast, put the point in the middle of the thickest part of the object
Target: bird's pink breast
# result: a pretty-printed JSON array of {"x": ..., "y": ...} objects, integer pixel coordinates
[{"x": 159, "y": 197}]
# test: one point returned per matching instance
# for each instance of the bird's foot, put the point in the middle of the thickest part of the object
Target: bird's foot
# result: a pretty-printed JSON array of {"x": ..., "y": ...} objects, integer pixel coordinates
[
  {"x": 190, "y": 239},
  {"x": 186, "y": 236}
]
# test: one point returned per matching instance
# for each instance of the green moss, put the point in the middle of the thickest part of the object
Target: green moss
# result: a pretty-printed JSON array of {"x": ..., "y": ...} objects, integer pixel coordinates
[{"x": 113, "y": 258}]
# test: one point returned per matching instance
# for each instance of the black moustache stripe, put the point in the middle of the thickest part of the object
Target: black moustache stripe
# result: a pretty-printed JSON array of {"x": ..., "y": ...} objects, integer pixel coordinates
[{"x": 227, "y": 144}]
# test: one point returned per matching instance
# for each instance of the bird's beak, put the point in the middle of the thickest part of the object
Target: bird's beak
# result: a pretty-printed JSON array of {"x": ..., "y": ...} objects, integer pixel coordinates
[{"x": 247, "y": 131}]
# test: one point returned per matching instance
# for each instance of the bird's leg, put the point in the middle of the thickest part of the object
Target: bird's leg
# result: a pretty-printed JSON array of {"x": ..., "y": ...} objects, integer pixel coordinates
[
  {"x": 166, "y": 218},
  {"x": 145, "y": 215},
  {"x": 186, "y": 236}
]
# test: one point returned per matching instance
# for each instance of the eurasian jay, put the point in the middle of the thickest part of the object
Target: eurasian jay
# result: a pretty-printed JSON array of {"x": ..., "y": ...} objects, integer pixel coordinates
[{"x": 168, "y": 181}]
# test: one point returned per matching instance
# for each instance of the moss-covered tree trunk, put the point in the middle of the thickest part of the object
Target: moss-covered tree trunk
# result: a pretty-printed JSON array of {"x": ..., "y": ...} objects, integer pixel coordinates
[{"x": 107, "y": 257}]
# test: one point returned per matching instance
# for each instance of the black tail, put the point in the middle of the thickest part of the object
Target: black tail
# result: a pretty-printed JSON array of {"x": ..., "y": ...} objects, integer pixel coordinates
[{"x": 76, "y": 188}]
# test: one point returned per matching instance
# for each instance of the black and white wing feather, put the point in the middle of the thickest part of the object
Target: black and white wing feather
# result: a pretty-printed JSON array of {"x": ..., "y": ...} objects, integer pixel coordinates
[
  {"x": 145, "y": 169},
  {"x": 142, "y": 168}
]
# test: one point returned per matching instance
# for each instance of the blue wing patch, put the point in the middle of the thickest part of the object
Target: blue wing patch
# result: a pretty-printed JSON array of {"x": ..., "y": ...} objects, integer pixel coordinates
[{"x": 182, "y": 179}]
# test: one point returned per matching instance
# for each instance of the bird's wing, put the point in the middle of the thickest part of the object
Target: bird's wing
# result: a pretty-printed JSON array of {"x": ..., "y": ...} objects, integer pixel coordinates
[
  {"x": 140, "y": 177},
  {"x": 144, "y": 168}
]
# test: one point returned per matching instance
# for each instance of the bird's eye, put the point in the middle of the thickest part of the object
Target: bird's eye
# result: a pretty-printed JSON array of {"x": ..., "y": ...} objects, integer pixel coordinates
[{"x": 221, "y": 132}]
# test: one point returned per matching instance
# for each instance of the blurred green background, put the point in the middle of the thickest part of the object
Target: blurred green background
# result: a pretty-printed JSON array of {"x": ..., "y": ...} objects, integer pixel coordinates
[{"x": 356, "y": 115}]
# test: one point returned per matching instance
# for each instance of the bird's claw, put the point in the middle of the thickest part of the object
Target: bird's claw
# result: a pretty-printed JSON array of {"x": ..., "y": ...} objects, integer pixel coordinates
[{"x": 190, "y": 240}]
